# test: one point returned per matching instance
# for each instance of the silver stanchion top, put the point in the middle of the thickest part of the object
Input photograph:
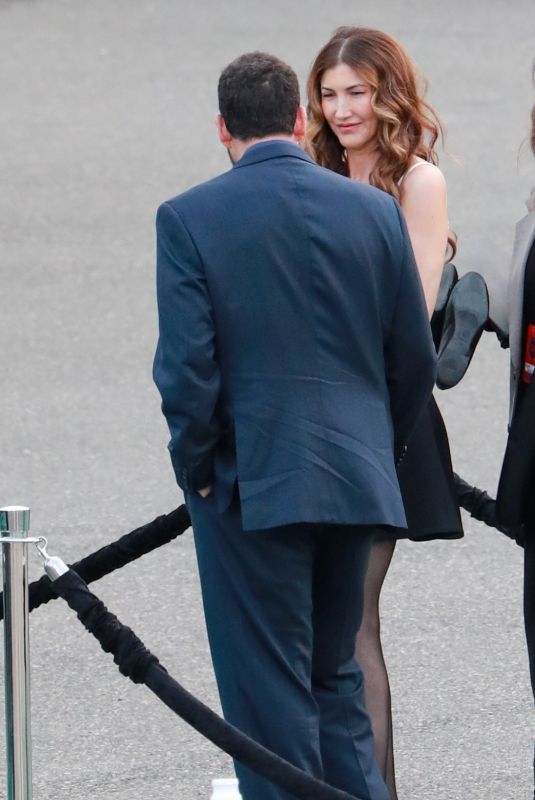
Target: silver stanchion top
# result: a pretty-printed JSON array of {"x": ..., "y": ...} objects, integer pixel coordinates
[{"x": 14, "y": 519}]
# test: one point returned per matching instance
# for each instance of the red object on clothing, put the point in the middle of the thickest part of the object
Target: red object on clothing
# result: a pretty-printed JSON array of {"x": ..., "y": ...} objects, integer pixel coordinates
[{"x": 529, "y": 355}]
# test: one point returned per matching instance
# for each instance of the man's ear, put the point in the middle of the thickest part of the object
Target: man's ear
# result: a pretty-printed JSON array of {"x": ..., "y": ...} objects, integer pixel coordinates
[
  {"x": 224, "y": 136},
  {"x": 300, "y": 124}
]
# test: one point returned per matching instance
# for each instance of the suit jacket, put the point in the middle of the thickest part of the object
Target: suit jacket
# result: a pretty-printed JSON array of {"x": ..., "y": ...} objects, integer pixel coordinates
[
  {"x": 295, "y": 351},
  {"x": 519, "y": 459}
]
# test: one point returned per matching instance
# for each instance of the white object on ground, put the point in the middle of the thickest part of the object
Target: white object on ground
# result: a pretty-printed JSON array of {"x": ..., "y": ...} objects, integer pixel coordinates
[{"x": 225, "y": 789}]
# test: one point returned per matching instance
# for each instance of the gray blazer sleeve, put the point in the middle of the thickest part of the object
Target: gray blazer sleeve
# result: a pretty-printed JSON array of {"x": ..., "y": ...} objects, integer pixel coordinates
[
  {"x": 185, "y": 367},
  {"x": 410, "y": 355}
]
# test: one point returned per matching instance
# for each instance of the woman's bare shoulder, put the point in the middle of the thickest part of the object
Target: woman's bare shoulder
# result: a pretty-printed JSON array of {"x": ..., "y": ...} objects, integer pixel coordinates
[{"x": 422, "y": 177}]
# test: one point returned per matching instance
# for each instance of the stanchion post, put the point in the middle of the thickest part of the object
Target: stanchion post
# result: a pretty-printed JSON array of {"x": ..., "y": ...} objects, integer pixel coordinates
[{"x": 15, "y": 522}]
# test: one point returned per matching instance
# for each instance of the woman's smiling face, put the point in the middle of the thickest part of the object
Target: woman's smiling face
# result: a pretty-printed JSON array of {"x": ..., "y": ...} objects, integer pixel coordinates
[{"x": 346, "y": 102}]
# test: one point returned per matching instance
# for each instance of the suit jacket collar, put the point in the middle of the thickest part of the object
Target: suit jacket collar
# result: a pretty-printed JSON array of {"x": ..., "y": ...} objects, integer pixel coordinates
[
  {"x": 525, "y": 235},
  {"x": 273, "y": 148}
]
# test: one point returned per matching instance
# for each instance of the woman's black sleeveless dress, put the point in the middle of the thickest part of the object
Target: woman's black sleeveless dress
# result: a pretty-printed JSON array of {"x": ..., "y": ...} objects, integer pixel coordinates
[
  {"x": 425, "y": 476},
  {"x": 426, "y": 481}
]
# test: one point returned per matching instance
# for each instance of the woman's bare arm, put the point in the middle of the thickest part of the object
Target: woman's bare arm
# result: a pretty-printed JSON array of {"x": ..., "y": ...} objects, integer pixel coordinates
[{"x": 425, "y": 207}]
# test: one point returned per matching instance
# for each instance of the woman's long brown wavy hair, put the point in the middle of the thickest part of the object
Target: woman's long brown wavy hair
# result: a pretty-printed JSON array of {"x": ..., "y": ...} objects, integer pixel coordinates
[{"x": 407, "y": 125}]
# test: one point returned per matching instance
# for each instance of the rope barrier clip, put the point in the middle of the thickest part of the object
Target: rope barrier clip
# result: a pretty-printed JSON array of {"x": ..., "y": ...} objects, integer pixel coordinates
[
  {"x": 54, "y": 566},
  {"x": 41, "y": 545}
]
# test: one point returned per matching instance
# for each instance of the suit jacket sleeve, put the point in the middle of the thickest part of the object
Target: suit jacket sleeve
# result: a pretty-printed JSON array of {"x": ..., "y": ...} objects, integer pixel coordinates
[
  {"x": 409, "y": 351},
  {"x": 185, "y": 367}
]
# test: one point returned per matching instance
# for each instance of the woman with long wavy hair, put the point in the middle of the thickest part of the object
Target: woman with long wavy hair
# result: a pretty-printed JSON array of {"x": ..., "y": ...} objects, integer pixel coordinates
[{"x": 368, "y": 119}]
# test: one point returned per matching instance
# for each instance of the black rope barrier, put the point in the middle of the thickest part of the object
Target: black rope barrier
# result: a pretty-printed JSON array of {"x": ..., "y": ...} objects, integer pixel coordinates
[
  {"x": 167, "y": 527},
  {"x": 111, "y": 557},
  {"x": 141, "y": 666}
]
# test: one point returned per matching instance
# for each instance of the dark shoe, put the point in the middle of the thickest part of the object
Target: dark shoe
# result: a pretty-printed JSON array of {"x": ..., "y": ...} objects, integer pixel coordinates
[
  {"x": 447, "y": 282},
  {"x": 465, "y": 317}
]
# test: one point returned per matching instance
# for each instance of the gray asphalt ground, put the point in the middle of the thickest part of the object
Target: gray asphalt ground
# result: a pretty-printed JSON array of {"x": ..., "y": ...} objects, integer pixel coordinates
[{"x": 106, "y": 110}]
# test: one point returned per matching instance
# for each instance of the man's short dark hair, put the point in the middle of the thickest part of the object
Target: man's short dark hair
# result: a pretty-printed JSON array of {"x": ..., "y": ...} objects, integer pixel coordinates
[{"x": 258, "y": 96}]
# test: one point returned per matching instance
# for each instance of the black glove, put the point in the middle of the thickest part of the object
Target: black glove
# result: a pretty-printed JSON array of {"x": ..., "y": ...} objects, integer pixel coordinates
[{"x": 482, "y": 506}]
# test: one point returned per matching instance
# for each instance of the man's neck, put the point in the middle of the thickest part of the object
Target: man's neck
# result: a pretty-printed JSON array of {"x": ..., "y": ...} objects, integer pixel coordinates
[{"x": 240, "y": 146}]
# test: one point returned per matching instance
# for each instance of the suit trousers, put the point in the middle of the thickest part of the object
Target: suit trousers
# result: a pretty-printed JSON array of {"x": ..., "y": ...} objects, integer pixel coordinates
[{"x": 282, "y": 607}]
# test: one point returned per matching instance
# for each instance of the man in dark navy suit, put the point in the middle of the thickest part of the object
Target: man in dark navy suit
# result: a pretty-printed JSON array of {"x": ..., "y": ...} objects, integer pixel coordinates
[{"x": 294, "y": 357}]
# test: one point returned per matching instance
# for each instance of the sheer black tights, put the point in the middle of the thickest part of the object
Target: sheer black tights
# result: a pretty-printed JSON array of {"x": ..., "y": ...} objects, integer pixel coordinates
[{"x": 369, "y": 654}]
